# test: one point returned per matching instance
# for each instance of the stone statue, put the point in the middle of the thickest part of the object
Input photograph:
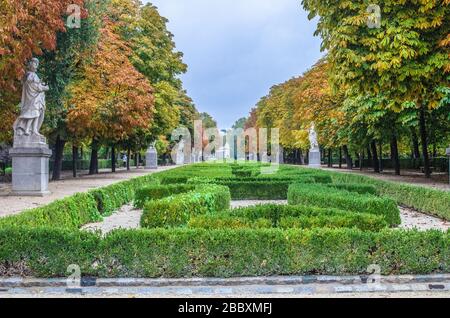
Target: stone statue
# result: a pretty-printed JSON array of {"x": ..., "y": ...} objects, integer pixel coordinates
[
  {"x": 313, "y": 137},
  {"x": 32, "y": 106},
  {"x": 180, "y": 153}
]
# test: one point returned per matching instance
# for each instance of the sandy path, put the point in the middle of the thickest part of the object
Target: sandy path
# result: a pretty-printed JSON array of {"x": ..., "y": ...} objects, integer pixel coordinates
[
  {"x": 412, "y": 219},
  {"x": 126, "y": 218},
  {"x": 10, "y": 205}
]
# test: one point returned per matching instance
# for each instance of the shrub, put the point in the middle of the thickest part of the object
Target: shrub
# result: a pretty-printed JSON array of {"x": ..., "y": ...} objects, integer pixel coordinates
[
  {"x": 80, "y": 209},
  {"x": 318, "y": 195},
  {"x": 113, "y": 197},
  {"x": 176, "y": 210},
  {"x": 180, "y": 253},
  {"x": 225, "y": 220},
  {"x": 257, "y": 190},
  {"x": 310, "y": 217},
  {"x": 355, "y": 187},
  {"x": 431, "y": 201},
  {"x": 156, "y": 192},
  {"x": 72, "y": 213}
]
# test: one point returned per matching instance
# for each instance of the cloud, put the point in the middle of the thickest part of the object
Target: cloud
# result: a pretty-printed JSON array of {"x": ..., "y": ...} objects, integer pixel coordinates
[{"x": 237, "y": 49}]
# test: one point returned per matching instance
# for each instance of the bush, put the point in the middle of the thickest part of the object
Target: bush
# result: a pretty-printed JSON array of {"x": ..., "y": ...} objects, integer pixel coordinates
[
  {"x": 174, "y": 179},
  {"x": 355, "y": 187},
  {"x": 318, "y": 195},
  {"x": 176, "y": 210},
  {"x": 310, "y": 217},
  {"x": 257, "y": 190},
  {"x": 113, "y": 197},
  {"x": 430, "y": 201},
  {"x": 225, "y": 220},
  {"x": 80, "y": 209},
  {"x": 156, "y": 192},
  {"x": 181, "y": 253},
  {"x": 72, "y": 213}
]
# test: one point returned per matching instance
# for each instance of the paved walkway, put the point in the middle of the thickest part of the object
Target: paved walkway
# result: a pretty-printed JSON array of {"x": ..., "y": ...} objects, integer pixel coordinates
[
  {"x": 254, "y": 287},
  {"x": 68, "y": 186}
]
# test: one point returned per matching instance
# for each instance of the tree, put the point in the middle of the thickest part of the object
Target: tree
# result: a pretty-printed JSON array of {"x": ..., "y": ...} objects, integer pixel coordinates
[
  {"x": 111, "y": 99},
  {"x": 404, "y": 59}
]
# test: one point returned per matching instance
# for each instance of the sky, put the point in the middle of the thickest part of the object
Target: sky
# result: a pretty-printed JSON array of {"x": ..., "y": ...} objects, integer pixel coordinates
[{"x": 237, "y": 49}]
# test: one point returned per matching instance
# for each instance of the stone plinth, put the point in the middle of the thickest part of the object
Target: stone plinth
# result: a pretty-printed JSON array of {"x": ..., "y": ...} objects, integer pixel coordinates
[
  {"x": 151, "y": 159},
  {"x": 30, "y": 170},
  {"x": 314, "y": 158}
]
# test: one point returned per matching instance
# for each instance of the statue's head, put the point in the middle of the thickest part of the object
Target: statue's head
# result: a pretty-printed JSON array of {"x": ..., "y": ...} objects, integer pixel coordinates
[{"x": 33, "y": 64}]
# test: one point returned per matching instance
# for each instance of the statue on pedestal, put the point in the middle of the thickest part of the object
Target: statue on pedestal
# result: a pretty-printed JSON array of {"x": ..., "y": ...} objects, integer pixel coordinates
[
  {"x": 32, "y": 105},
  {"x": 314, "y": 152},
  {"x": 30, "y": 154}
]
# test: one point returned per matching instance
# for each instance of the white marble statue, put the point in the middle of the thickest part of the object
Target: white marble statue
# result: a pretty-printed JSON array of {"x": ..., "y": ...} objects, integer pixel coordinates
[
  {"x": 180, "y": 153},
  {"x": 313, "y": 137},
  {"x": 32, "y": 106}
]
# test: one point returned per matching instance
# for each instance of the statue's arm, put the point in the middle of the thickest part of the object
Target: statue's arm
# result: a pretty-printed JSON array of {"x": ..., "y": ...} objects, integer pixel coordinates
[{"x": 36, "y": 83}]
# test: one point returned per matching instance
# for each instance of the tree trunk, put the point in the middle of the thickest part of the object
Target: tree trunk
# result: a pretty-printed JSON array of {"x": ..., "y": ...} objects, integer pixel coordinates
[
  {"x": 361, "y": 159},
  {"x": 394, "y": 154},
  {"x": 302, "y": 157},
  {"x": 330, "y": 158},
  {"x": 348, "y": 158},
  {"x": 59, "y": 152},
  {"x": 340, "y": 157},
  {"x": 74, "y": 160},
  {"x": 136, "y": 160},
  {"x": 369, "y": 157},
  {"x": 128, "y": 158},
  {"x": 375, "y": 162},
  {"x": 424, "y": 141},
  {"x": 93, "y": 166},
  {"x": 113, "y": 159},
  {"x": 380, "y": 146},
  {"x": 415, "y": 142}
]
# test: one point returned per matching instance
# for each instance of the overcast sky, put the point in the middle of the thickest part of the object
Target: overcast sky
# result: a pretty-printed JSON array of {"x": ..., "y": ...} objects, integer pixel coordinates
[{"x": 237, "y": 49}]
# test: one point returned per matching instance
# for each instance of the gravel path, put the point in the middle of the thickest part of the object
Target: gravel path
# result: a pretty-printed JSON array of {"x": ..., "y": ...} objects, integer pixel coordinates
[
  {"x": 412, "y": 219},
  {"x": 246, "y": 203},
  {"x": 126, "y": 218}
]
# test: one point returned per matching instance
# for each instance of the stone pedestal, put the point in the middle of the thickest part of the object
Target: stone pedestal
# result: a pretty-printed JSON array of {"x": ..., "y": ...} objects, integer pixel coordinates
[
  {"x": 314, "y": 158},
  {"x": 30, "y": 167},
  {"x": 151, "y": 159}
]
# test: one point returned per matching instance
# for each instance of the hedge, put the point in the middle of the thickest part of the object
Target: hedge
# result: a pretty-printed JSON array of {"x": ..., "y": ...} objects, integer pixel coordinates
[
  {"x": 156, "y": 192},
  {"x": 72, "y": 213},
  {"x": 176, "y": 210},
  {"x": 355, "y": 187},
  {"x": 430, "y": 201},
  {"x": 180, "y": 253},
  {"x": 365, "y": 222},
  {"x": 319, "y": 195},
  {"x": 82, "y": 208},
  {"x": 318, "y": 216}
]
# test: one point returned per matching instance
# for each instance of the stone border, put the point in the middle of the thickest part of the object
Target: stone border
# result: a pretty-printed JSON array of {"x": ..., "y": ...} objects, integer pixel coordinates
[
  {"x": 288, "y": 286},
  {"x": 18, "y": 282}
]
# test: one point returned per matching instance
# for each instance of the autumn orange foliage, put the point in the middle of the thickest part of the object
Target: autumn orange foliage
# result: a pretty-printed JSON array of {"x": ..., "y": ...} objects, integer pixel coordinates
[
  {"x": 27, "y": 28},
  {"x": 111, "y": 99}
]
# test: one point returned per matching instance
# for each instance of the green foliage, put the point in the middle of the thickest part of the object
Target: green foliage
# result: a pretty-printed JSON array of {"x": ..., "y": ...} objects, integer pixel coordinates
[
  {"x": 176, "y": 210},
  {"x": 355, "y": 187},
  {"x": 82, "y": 208},
  {"x": 156, "y": 192},
  {"x": 180, "y": 253},
  {"x": 430, "y": 201},
  {"x": 319, "y": 195},
  {"x": 71, "y": 213}
]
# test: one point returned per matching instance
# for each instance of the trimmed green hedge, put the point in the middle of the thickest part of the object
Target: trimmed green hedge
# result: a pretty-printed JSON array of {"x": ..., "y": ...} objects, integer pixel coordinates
[
  {"x": 72, "y": 213},
  {"x": 355, "y": 187},
  {"x": 180, "y": 253},
  {"x": 365, "y": 222},
  {"x": 431, "y": 201},
  {"x": 319, "y": 217},
  {"x": 82, "y": 208},
  {"x": 176, "y": 210},
  {"x": 319, "y": 195},
  {"x": 156, "y": 192}
]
